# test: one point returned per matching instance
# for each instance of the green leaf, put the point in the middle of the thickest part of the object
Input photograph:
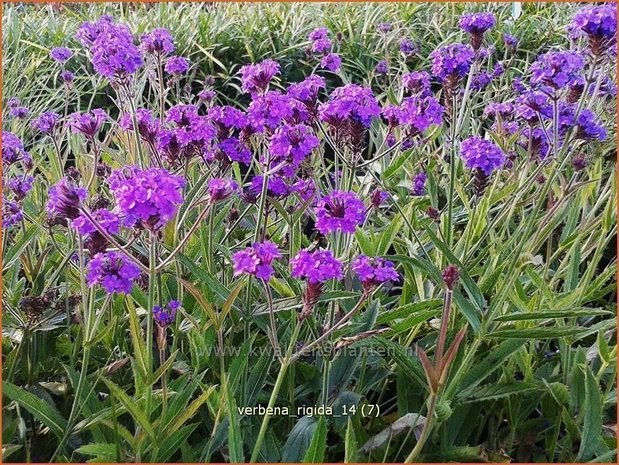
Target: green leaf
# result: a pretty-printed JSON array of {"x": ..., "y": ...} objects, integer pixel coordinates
[
  {"x": 189, "y": 411},
  {"x": 316, "y": 450},
  {"x": 592, "y": 423},
  {"x": 537, "y": 333},
  {"x": 299, "y": 439},
  {"x": 577, "y": 312},
  {"x": 235, "y": 443},
  {"x": 499, "y": 391},
  {"x": 409, "y": 365},
  {"x": 101, "y": 451},
  {"x": 39, "y": 409},
  {"x": 138, "y": 415},
  {"x": 350, "y": 443},
  {"x": 173, "y": 441}
]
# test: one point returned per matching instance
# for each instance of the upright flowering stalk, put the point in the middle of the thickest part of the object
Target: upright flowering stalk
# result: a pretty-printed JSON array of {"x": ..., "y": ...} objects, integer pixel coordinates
[
  {"x": 482, "y": 156},
  {"x": 317, "y": 268},
  {"x": 451, "y": 63},
  {"x": 476, "y": 24},
  {"x": 599, "y": 24},
  {"x": 255, "y": 78},
  {"x": 65, "y": 200}
]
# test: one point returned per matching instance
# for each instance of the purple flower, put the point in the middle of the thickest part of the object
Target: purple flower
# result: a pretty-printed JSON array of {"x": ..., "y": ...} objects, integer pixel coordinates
[
  {"x": 318, "y": 34},
  {"x": 89, "y": 123},
  {"x": 13, "y": 149},
  {"x": 496, "y": 109},
  {"x": 317, "y": 267},
  {"x": 305, "y": 189},
  {"x": 332, "y": 62},
  {"x": 148, "y": 126},
  {"x": 452, "y": 61},
  {"x": 235, "y": 150},
  {"x": 176, "y": 65},
  {"x": 158, "y": 41},
  {"x": 510, "y": 41},
  {"x": 498, "y": 69},
  {"x": 588, "y": 126},
  {"x": 321, "y": 46},
  {"x": 113, "y": 271},
  {"x": 339, "y": 211},
  {"x": 255, "y": 78},
  {"x": 147, "y": 198},
  {"x": 407, "y": 47},
  {"x": 207, "y": 95},
  {"x": 292, "y": 144},
  {"x": 19, "y": 112},
  {"x": 417, "y": 113},
  {"x": 382, "y": 67},
  {"x": 481, "y": 154},
  {"x": 113, "y": 53},
  {"x": 276, "y": 186},
  {"x": 256, "y": 260},
  {"x": 13, "y": 102},
  {"x": 61, "y": 54},
  {"x": 378, "y": 197},
  {"x": 221, "y": 188},
  {"x": 373, "y": 271},
  {"x": 384, "y": 28},
  {"x": 530, "y": 104},
  {"x": 419, "y": 184},
  {"x": 165, "y": 316},
  {"x": 477, "y": 24},
  {"x": 481, "y": 81},
  {"x": 557, "y": 69},
  {"x": 46, "y": 122},
  {"x": 417, "y": 82},
  {"x": 269, "y": 110},
  {"x": 20, "y": 185},
  {"x": 307, "y": 90},
  {"x": 107, "y": 219},
  {"x": 534, "y": 140},
  {"x": 350, "y": 102},
  {"x": 599, "y": 24},
  {"x": 11, "y": 213},
  {"x": 66, "y": 76},
  {"x": 65, "y": 200}
]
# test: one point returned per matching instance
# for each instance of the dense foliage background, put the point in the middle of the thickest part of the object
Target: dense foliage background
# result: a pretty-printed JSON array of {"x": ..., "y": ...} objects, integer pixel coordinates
[{"x": 535, "y": 376}]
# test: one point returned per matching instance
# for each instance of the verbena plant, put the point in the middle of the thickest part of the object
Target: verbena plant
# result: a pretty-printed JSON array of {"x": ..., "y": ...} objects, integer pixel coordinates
[{"x": 309, "y": 233}]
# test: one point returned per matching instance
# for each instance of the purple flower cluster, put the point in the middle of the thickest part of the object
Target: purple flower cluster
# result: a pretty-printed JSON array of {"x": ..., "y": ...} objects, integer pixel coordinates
[
  {"x": 113, "y": 52},
  {"x": 556, "y": 69},
  {"x": 46, "y": 122},
  {"x": 256, "y": 260},
  {"x": 20, "y": 185},
  {"x": 13, "y": 150},
  {"x": 89, "y": 123},
  {"x": 419, "y": 184},
  {"x": 255, "y": 78},
  {"x": 481, "y": 154},
  {"x": 290, "y": 145},
  {"x": 452, "y": 61},
  {"x": 477, "y": 23},
  {"x": 382, "y": 67},
  {"x": 12, "y": 213},
  {"x": 60, "y": 54},
  {"x": 599, "y": 24},
  {"x": 165, "y": 316},
  {"x": 416, "y": 113},
  {"x": 588, "y": 126},
  {"x": 176, "y": 65},
  {"x": 221, "y": 188},
  {"x": 317, "y": 267},
  {"x": 148, "y": 125},
  {"x": 158, "y": 41},
  {"x": 321, "y": 43},
  {"x": 373, "y": 271},
  {"x": 331, "y": 62},
  {"x": 148, "y": 198},
  {"x": 65, "y": 199},
  {"x": 113, "y": 271},
  {"x": 417, "y": 82},
  {"x": 339, "y": 211},
  {"x": 351, "y": 103}
]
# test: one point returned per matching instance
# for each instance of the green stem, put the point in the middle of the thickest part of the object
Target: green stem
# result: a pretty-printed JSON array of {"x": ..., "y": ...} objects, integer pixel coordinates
[
  {"x": 425, "y": 432},
  {"x": 152, "y": 257}
]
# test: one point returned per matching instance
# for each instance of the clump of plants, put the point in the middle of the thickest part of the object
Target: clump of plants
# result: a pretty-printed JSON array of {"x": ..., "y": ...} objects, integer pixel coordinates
[{"x": 419, "y": 258}]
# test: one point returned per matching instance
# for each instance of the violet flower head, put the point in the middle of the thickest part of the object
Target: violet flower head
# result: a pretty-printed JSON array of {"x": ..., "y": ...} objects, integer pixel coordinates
[
  {"x": 165, "y": 316},
  {"x": 292, "y": 144},
  {"x": 350, "y": 102},
  {"x": 148, "y": 198},
  {"x": 382, "y": 67},
  {"x": 66, "y": 76},
  {"x": 418, "y": 114},
  {"x": 46, "y": 122},
  {"x": 510, "y": 41},
  {"x": 557, "y": 69},
  {"x": 331, "y": 62},
  {"x": 269, "y": 110},
  {"x": 481, "y": 154},
  {"x": 256, "y": 260},
  {"x": 318, "y": 34},
  {"x": 176, "y": 65},
  {"x": 113, "y": 271},
  {"x": 317, "y": 267},
  {"x": 476, "y": 24},
  {"x": 60, "y": 54},
  {"x": 89, "y": 123},
  {"x": 106, "y": 219},
  {"x": 339, "y": 211},
  {"x": 321, "y": 46},
  {"x": 221, "y": 188},
  {"x": 158, "y": 41},
  {"x": 373, "y": 271},
  {"x": 276, "y": 186},
  {"x": 499, "y": 109},
  {"x": 599, "y": 24},
  {"x": 13, "y": 102},
  {"x": 407, "y": 47},
  {"x": 65, "y": 200},
  {"x": 452, "y": 62},
  {"x": 207, "y": 95},
  {"x": 378, "y": 197},
  {"x": 255, "y": 78},
  {"x": 12, "y": 213},
  {"x": 417, "y": 82},
  {"x": 589, "y": 127},
  {"x": 235, "y": 150},
  {"x": 419, "y": 184},
  {"x": 148, "y": 125},
  {"x": 21, "y": 185},
  {"x": 19, "y": 112},
  {"x": 307, "y": 90},
  {"x": 304, "y": 188},
  {"x": 13, "y": 149},
  {"x": 384, "y": 28},
  {"x": 481, "y": 81}
]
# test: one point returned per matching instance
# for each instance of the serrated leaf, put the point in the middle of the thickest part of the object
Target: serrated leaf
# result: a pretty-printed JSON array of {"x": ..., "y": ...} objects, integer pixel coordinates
[{"x": 316, "y": 451}]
